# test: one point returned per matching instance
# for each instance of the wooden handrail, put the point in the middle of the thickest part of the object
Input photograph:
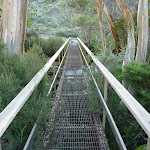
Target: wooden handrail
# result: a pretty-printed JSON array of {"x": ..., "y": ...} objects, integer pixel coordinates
[
  {"x": 12, "y": 109},
  {"x": 33, "y": 132},
  {"x": 110, "y": 119},
  {"x": 136, "y": 109}
]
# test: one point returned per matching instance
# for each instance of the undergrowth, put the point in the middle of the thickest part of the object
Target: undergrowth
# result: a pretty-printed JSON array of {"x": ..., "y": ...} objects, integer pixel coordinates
[
  {"x": 15, "y": 72},
  {"x": 138, "y": 78},
  {"x": 49, "y": 46}
]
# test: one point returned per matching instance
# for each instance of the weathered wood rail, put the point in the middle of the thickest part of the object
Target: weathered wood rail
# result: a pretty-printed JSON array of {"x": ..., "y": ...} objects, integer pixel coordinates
[{"x": 136, "y": 109}]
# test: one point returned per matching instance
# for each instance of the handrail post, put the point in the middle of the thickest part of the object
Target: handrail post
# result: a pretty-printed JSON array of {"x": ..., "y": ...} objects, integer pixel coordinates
[
  {"x": 66, "y": 53},
  {"x": 59, "y": 64},
  {"x": 62, "y": 54},
  {"x": 85, "y": 53},
  {"x": 59, "y": 59},
  {"x": 93, "y": 68},
  {"x": 88, "y": 61},
  {"x": 54, "y": 77},
  {"x": 105, "y": 98},
  {"x": 148, "y": 144}
]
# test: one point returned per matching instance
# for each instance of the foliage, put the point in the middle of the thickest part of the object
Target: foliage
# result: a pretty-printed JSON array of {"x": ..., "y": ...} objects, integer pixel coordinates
[
  {"x": 85, "y": 21},
  {"x": 112, "y": 62},
  {"x": 84, "y": 17},
  {"x": 51, "y": 45},
  {"x": 31, "y": 12},
  {"x": 67, "y": 33},
  {"x": 31, "y": 38},
  {"x": 136, "y": 75},
  {"x": 78, "y": 5},
  {"x": 140, "y": 81},
  {"x": 143, "y": 147},
  {"x": 121, "y": 30},
  {"x": 94, "y": 105},
  {"x": 15, "y": 72}
]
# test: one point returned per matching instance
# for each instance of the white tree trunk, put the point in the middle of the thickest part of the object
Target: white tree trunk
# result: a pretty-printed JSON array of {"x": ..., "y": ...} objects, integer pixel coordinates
[
  {"x": 13, "y": 29},
  {"x": 111, "y": 27},
  {"x": 130, "y": 52},
  {"x": 142, "y": 26},
  {"x": 99, "y": 7}
]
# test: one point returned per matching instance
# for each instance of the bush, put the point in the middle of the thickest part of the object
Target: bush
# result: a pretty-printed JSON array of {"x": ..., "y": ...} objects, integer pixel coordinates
[
  {"x": 15, "y": 72},
  {"x": 67, "y": 34},
  {"x": 31, "y": 38},
  {"x": 51, "y": 45},
  {"x": 138, "y": 78},
  {"x": 94, "y": 104},
  {"x": 140, "y": 81}
]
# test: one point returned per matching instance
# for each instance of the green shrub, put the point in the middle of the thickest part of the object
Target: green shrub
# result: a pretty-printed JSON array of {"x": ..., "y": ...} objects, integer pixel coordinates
[
  {"x": 121, "y": 29},
  {"x": 138, "y": 77},
  {"x": 51, "y": 45},
  {"x": 15, "y": 72},
  {"x": 31, "y": 38},
  {"x": 94, "y": 104},
  {"x": 67, "y": 34}
]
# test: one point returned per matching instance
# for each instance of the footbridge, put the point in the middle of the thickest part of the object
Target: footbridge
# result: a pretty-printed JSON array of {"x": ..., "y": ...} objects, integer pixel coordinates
[{"x": 75, "y": 127}]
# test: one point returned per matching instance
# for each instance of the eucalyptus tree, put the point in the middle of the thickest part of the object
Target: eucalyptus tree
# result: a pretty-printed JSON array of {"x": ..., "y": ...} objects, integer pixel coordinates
[
  {"x": 84, "y": 17},
  {"x": 111, "y": 27},
  {"x": 130, "y": 52},
  {"x": 102, "y": 9},
  {"x": 86, "y": 24},
  {"x": 142, "y": 26},
  {"x": 99, "y": 7},
  {"x": 13, "y": 27}
]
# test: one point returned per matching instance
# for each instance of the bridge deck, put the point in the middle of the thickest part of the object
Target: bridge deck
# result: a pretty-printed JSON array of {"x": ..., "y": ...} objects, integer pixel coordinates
[{"x": 75, "y": 128}]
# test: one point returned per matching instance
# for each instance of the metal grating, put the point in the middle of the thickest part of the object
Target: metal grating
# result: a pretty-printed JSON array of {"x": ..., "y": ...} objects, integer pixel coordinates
[{"x": 74, "y": 127}]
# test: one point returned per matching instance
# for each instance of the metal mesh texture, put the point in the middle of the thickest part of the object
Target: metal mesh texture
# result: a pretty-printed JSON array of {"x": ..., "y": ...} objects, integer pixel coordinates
[{"x": 75, "y": 128}]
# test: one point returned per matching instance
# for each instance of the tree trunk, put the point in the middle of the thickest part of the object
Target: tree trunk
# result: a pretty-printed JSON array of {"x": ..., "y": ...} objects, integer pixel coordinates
[
  {"x": 13, "y": 29},
  {"x": 130, "y": 52},
  {"x": 111, "y": 26},
  {"x": 142, "y": 24},
  {"x": 99, "y": 8}
]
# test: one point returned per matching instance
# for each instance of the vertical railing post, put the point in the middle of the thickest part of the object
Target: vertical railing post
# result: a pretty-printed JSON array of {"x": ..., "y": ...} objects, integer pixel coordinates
[
  {"x": 66, "y": 54},
  {"x": 93, "y": 69},
  {"x": 88, "y": 61},
  {"x": 148, "y": 144},
  {"x": 105, "y": 98},
  {"x": 84, "y": 52},
  {"x": 54, "y": 77},
  {"x": 59, "y": 59},
  {"x": 59, "y": 74},
  {"x": 62, "y": 64},
  {"x": 62, "y": 53}
]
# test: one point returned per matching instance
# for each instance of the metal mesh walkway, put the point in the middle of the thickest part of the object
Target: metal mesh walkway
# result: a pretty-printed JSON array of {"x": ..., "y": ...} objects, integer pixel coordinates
[{"x": 75, "y": 128}]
